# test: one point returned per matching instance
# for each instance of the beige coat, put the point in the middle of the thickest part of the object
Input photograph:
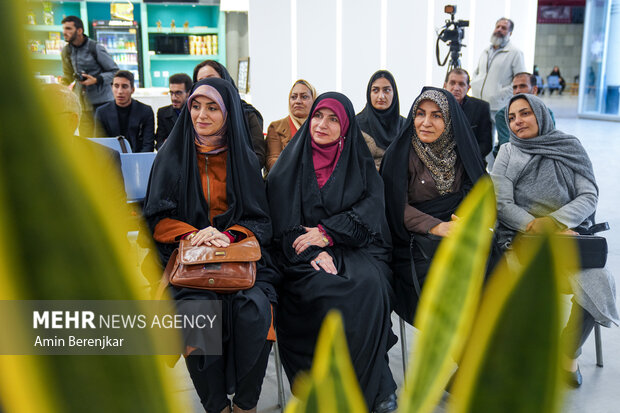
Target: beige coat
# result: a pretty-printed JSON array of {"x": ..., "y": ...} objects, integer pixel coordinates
[{"x": 376, "y": 152}]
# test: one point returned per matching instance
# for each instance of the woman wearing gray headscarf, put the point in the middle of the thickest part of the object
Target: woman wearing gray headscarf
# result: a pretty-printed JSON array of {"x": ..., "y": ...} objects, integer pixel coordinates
[{"x": 544, "y": 180}]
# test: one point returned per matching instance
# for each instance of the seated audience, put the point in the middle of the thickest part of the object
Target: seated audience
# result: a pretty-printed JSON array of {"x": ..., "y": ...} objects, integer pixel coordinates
[
  {"x": 380, "y": 120},
  {"x": 280, "y": 132},
  {"x": 180, "y": 85},
  {"x": 556, "y": 72},
  {"x": 331, "y": 244},
  {"x": 126, "y": 116},
  {"x": 521, "y": 83},
  {"x": 206, "y": 187},
  {"x": 544, "y": 181},
  {"x": 477, "y": 111},
  {"x": 254, "y": 120},
  {"x": 428, "y": 170}
]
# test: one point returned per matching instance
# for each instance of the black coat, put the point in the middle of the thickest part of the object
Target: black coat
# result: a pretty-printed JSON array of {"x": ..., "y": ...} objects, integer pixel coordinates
[
  {"x": 478, "y": 113},
  {"x": 166, "y": 118},
  {"x": 140, "y": 130}
]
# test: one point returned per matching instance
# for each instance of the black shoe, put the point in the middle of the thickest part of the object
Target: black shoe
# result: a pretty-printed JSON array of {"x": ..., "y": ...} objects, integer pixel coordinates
[
  {"x": 386, "y": 405},
  {"x": 574, "y": 378}
]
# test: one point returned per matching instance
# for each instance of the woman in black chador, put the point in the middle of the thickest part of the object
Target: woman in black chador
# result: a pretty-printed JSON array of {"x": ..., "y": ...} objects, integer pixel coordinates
[
  {"x": 332, "y": 239},
  {"x": 205, "y": 186},
  {"x": 428, "y": 170}
]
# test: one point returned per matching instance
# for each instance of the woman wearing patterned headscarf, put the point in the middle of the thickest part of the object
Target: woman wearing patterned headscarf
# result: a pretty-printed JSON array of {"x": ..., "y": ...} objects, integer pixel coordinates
[
  {"x": 544, "y": 180},
  {"x": 333, "y": 247},
  {"x": 428, "y": 171},
  {"x": 205, "y": 186},
  {"x": 380, "y": 120},
  {"x": 280, "y": 132}
]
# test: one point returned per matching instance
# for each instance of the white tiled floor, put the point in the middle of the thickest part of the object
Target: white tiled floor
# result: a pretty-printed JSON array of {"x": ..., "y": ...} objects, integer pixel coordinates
[{"x": 600, "y": 391}]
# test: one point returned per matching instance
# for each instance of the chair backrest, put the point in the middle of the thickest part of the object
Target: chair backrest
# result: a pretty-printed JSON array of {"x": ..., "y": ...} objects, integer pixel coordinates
[
  {"x": 119, "y": 143},
  {"x": 539, "y": 81},
  {"x": 553, "y": 82},
  {"x": 136, "y": 170}
]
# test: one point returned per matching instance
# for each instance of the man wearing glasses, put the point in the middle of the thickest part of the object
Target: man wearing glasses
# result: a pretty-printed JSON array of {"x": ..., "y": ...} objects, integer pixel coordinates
[{"x": 180, "y": 85}]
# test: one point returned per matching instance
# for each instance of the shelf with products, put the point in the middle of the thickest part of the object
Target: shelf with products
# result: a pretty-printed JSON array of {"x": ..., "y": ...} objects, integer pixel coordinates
[
  {"x": 204, "y": 23},
  {"x": 43, "y": 31},
  {"x": 179, "y": 36}
]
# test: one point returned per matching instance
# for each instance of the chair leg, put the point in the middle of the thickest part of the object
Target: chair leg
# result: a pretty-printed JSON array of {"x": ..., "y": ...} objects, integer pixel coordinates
[
  {"x": 403, "y": 345},
  {"x": 281, "y": 396},
  {"x": 599, "y": 346}
]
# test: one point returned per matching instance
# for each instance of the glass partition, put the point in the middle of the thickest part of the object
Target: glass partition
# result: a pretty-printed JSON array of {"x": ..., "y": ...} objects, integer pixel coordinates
[{"x": 599, "y": 95}]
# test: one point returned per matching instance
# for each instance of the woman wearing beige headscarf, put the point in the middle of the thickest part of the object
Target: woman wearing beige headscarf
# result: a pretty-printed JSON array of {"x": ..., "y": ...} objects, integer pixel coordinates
[{"x": 300, "y": 100}]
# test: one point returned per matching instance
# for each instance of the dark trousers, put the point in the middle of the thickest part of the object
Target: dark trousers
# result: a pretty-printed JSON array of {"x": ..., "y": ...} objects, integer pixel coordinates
[
  {"x": 579, "y": 326},
  {"x": 210, "y": 382}
]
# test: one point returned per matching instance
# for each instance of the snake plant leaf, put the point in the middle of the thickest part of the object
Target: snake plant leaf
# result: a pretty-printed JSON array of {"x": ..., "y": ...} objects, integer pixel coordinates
[
  {"x": 449, "y": 300},
  {"x": 331, "y": 385},
  {"x": 513, "y": 362},
  {"x": 61, "y": 237}
]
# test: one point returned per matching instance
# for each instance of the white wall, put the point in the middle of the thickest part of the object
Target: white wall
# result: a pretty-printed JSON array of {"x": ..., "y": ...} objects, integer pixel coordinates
[{"x": 338, "y": 44}]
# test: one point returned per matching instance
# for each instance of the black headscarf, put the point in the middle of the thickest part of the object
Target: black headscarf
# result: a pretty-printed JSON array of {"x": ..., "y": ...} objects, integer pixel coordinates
[
  {"x": 394, "y": 168},
  {"x": 224, "y": 74},
  {"x": 175, "y": 188},
  {"x": 381, "y": 125},
  {"x": 354, "y": 185}
]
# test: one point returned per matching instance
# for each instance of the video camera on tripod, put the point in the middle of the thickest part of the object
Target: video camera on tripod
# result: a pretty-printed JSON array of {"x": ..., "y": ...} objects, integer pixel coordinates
[{"x": 451, "y": 33}]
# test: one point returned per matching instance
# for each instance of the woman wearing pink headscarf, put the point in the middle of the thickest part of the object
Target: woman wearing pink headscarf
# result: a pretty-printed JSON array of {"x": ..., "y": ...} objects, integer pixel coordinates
[{"x": 331, "y": 243}]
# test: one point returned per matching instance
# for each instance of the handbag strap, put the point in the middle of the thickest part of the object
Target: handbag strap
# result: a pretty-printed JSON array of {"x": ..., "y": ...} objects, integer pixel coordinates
[{"x": 165, "y": 279}]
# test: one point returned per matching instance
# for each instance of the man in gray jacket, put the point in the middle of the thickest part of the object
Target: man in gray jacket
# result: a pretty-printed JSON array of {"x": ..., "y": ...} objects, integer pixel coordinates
[
  {"x": 492, "y": 79},
  {"x": 91, "y": 67}
]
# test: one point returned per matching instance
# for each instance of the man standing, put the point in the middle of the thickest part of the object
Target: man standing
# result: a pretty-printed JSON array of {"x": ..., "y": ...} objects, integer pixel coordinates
[
  {"x": 496, "y": 68},
  {"x": 91, "y": 67},
  {"x": 180, "y": 85},
  {"x": 477, "y": 111},
  {"x": 126, "y": 116},
  {"x": 522, "y": 83}
]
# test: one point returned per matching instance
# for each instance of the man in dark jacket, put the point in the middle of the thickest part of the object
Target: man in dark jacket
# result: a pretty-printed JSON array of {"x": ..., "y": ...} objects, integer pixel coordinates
[
  {"x": 180, "y": 85},
  {"x": 477, "y": 111},
  {"x": 91, "y": 67},
  {"x": 126, "y": 116}
]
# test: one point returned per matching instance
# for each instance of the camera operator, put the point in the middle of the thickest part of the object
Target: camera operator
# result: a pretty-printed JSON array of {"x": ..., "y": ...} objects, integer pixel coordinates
[
  {"x": 86, "y": 62},
  {"x": 492, "y": 79}
]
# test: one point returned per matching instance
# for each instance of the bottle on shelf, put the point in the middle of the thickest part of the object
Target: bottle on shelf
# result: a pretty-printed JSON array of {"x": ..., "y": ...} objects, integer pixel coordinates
[{"x": 31, "y": 19}]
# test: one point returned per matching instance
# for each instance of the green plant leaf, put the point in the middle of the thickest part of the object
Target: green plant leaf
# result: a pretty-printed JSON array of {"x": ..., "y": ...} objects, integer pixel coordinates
[
  {"x": 513, "y": 362},
  {"x": 449, "y": 300},
  {"x": 62, "y": 237},
  {"x": 331, "y": 385}
]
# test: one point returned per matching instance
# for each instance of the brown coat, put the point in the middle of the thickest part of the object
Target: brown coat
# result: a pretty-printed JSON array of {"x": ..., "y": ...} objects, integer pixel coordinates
[
  {"x": 278, "y": 136},
  {"x": 213, "y": 177}
]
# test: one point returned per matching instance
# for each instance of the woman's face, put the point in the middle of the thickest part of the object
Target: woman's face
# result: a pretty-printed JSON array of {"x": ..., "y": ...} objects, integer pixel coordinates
[
  {"x": 207, "y": 71},
  {"x": 428, "y": 121},
  {"x": 325, "y": 126},
  {"x": 300, "y": 101},
  {"x": 207, "y": 116},
  {"x": 522, "y": 119},
  {"x": 381, "y": 94}
]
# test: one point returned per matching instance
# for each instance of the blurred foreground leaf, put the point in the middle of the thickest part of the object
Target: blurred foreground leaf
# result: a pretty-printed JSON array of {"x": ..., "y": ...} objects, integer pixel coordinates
[
  {"x": 449, "y": 300},
  {"x": 513, "y": 361},
  {"x": 62, "y": 236}
]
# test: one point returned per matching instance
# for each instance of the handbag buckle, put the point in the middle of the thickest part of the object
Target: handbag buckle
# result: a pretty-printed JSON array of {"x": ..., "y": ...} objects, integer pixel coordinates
[{"x": 220, "y": 253}]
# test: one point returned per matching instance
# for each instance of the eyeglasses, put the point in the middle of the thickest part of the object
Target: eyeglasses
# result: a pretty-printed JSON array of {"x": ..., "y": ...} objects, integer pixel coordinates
[{"x": 177, "y": 93}]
